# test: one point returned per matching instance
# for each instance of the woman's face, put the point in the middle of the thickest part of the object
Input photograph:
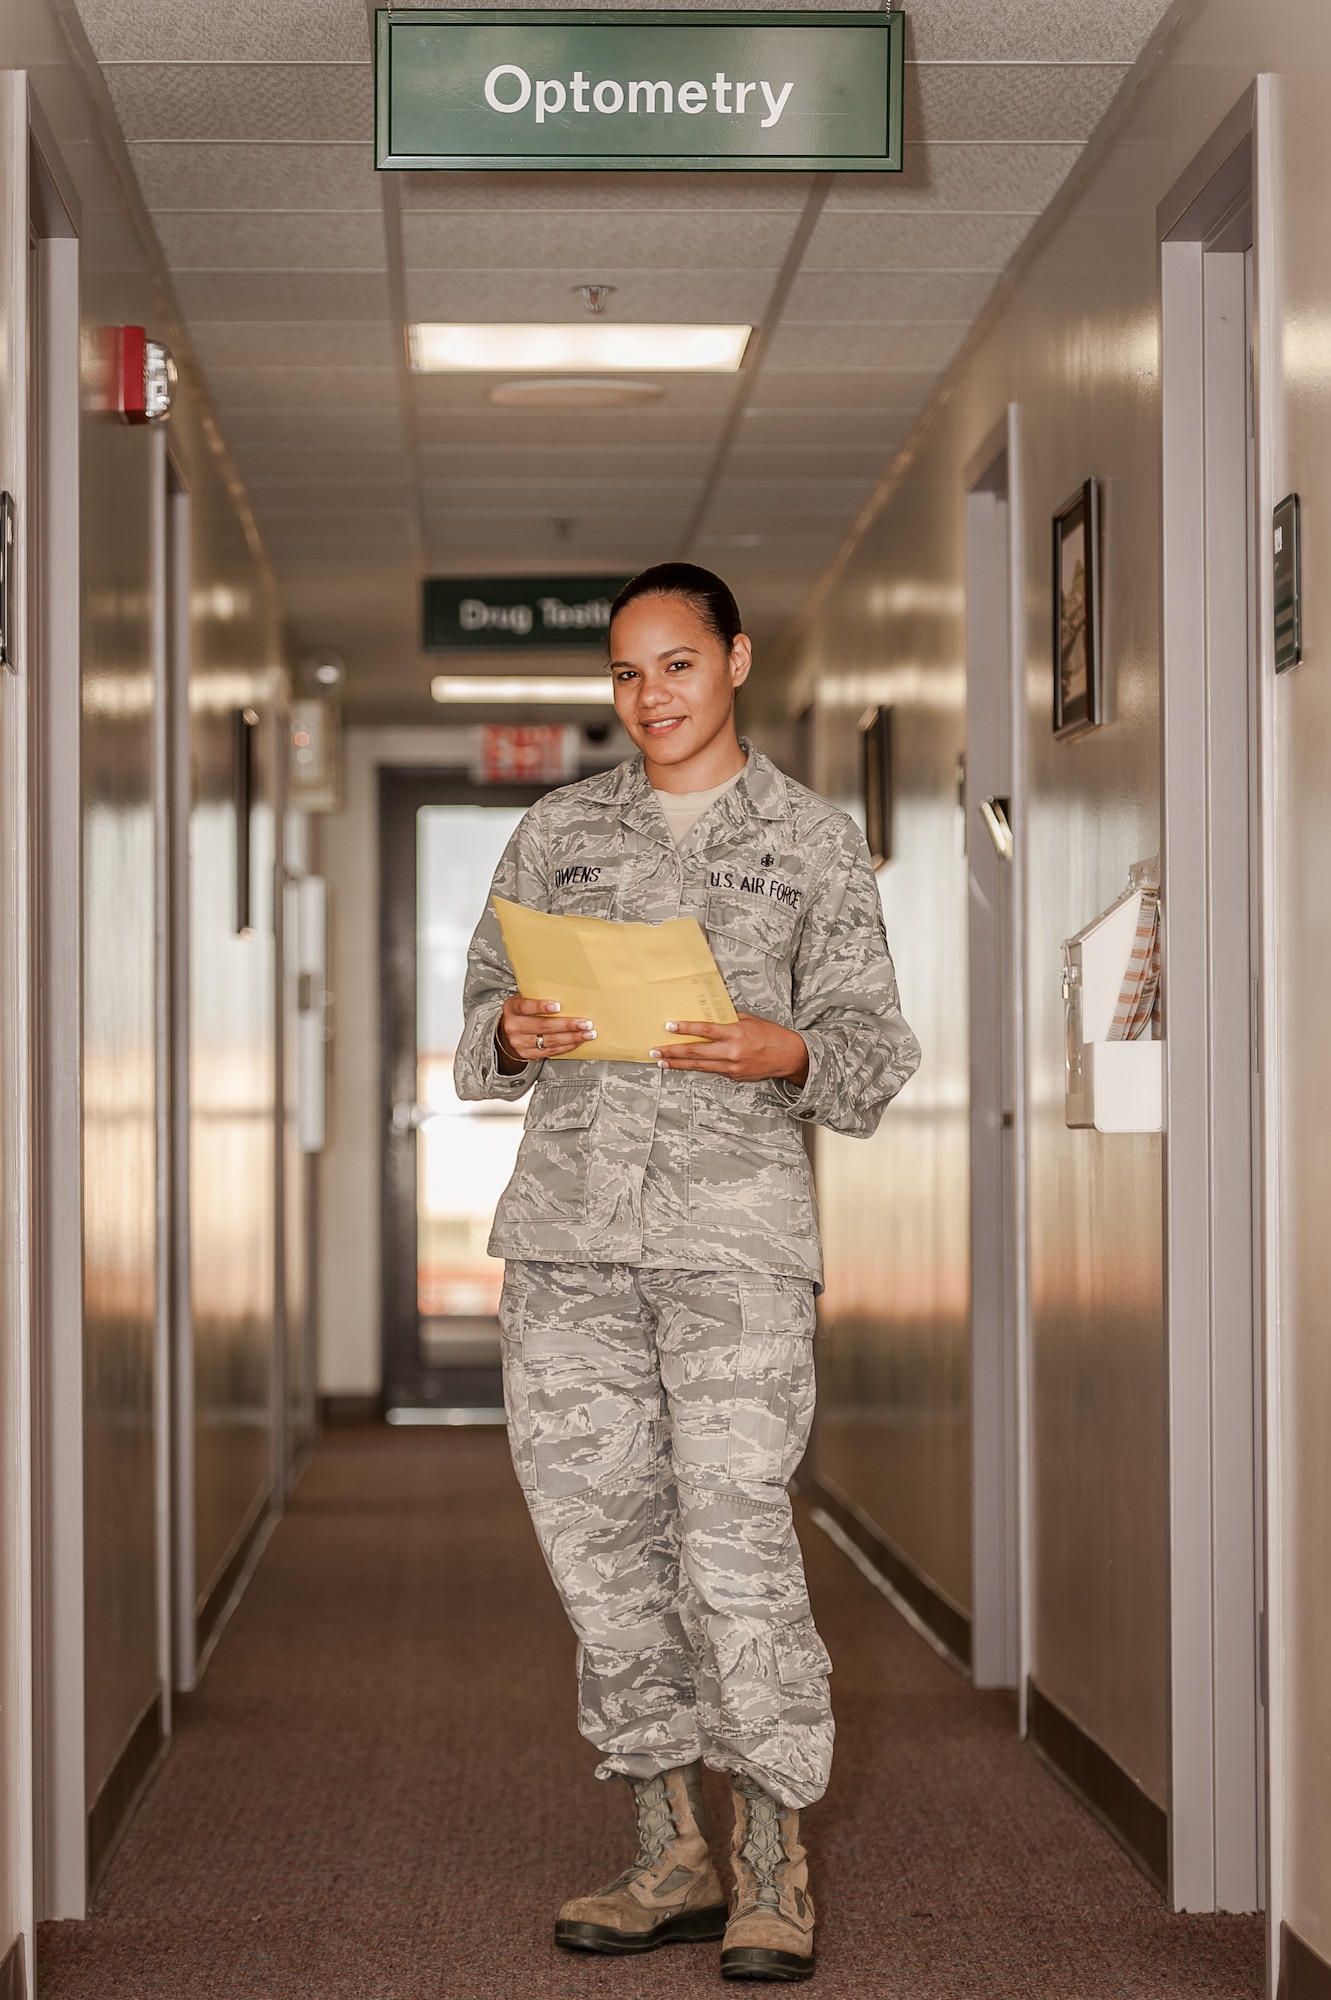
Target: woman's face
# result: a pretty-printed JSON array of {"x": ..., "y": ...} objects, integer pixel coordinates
[{"x": 674, "y": 680}]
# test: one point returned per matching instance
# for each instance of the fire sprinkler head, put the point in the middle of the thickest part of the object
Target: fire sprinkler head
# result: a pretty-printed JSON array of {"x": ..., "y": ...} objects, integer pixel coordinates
[{"x": 594, "y": 296}]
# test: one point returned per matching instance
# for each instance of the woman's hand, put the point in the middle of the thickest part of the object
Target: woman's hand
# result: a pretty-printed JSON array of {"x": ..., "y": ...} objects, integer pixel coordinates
[
  {"x": 750, "y": 1050},
  {"x": 525, "y": 1033}
]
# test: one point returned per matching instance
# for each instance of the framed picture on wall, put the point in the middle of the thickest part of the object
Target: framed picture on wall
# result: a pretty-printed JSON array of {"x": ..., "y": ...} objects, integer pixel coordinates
[
  {"x": 876, "y": 742},
  {"x": 1077, "y": 690}
]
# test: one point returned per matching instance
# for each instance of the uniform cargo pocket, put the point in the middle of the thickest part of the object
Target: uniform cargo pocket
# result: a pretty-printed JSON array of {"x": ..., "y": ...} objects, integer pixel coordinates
[
  {"x": 801, "y": 1655},
  {"x": 551, "y": 1175},
  {"x": 744, "y": 1111},
  {"x": 563, "y": 1107},
  {"x": 748, "y": 1170},
  {"x": 772, "y": 1401}
]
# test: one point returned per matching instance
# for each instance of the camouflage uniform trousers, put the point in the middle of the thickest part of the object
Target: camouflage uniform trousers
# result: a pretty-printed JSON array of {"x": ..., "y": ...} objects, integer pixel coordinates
[{"x": 655, "y": 1416}]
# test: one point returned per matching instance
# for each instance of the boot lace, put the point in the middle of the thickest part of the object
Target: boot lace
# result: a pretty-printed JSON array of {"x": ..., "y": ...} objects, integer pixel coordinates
[
  {"x": 656, "y": 1828},
  {"x": 763, "y": 1850}
]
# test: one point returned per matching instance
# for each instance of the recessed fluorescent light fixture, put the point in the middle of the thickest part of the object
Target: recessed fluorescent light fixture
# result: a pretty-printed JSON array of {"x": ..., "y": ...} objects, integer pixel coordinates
[
  {"x": 492, "y": 350},
  {"x": 569, "y": 690}
]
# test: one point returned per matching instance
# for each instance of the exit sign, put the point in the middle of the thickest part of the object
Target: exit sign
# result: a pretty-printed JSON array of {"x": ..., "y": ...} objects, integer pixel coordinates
[{"x": 780, "y": 92}]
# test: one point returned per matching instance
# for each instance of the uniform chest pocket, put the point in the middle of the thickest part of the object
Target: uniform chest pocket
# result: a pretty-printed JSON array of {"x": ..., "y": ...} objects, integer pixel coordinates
[
  {"x": 751, "y": 940},
  {"x": 754, "y": 922},
  {"x": 556, "y": 1151}
]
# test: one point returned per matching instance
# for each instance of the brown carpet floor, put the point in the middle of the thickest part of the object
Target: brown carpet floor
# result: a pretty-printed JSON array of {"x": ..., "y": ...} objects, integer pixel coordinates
[{"x": 378, "y": 1793}]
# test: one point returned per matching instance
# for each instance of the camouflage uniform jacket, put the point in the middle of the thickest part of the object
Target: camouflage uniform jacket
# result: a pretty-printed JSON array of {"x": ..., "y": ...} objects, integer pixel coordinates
[{"x": 625, "y": 1163}]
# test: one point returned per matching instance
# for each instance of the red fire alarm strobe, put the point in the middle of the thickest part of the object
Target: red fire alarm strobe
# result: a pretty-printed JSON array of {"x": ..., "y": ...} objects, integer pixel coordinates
[{"x": 137, "y": 376}]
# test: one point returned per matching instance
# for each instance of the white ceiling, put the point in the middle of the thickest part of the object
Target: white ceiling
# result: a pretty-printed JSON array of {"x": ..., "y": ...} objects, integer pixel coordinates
[{"x": 249, "y": 124}]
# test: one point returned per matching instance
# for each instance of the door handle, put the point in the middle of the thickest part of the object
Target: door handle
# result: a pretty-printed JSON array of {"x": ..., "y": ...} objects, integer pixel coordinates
[
  {"x": 407, "y": 1117},
  {"x": 994, "y": 813}
]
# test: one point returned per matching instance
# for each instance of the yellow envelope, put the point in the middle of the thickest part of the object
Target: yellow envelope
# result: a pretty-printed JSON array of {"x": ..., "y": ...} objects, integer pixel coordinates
[{"x": 630, "y": 979}]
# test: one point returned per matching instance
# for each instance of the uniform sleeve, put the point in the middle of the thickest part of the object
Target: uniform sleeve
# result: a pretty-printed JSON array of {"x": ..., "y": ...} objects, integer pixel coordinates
[
  {"x": 844, "y": 1000},
  {"x": 520, "y": 878}
]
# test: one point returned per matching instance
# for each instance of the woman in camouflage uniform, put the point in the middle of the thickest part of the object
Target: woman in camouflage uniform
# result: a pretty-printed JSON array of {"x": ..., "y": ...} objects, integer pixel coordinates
[{"x": 662, "y": 1245}]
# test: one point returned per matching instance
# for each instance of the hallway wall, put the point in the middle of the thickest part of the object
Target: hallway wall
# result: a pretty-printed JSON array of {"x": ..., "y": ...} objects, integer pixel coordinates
[
  {"x": 1302, "y": 968},
  {"x": 1075, "y": 344},
  {"x": 237, "y": 656}
]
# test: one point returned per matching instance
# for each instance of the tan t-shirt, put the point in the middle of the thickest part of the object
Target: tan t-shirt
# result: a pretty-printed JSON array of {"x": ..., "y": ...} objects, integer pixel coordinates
[{"x": 683, "y": 810}]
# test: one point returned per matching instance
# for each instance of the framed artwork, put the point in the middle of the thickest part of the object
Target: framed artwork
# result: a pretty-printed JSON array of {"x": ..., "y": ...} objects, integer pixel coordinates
[
  {"x": 876, "y": 742},
  {"x": 1077, "y": 690}
]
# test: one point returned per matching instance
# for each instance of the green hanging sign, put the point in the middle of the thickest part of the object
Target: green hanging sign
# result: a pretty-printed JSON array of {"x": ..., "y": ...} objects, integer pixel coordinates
[
  {"x": 780, "y": 92},
  {"x": 522, "y": 614}
]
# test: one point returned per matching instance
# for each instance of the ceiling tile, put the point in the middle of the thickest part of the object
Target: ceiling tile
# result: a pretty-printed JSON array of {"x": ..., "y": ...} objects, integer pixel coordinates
[
  {"x": 794, "y": 465},
  {"x": 329, "y": 499},
  {"x": 293, "y": 344},
  {"x": 1019, "y": 178},
  {"x": 282, "y": 295},
  {"x": 328, "y": 389},
  {"x": 1029, "y": 30},
  {"x": 888, "y": 296},
  {"x": 585, "y": 194},
  {"x": 176, "y": 174},
  {"x": 729, "y": 298},
  {"x": 302, "y": 428},
  {"x": 225, "y": 241},
  {"x": 305, "y": 534},
  {"x": 587, "y": 243},
  {"x": 243, "y": 101},
  {"x": 240, "y": 31},
  {"x": 780, "y": 499},
  {"x": 433, "y": 393},
  {"x": 537, "y": 469},
  {"x": 856, "y": 241},
  {"x": 1008, "y": 101},
  {"x": 911, "y": 346},
  {"x": 645, "y": 429},
  {"x": 818, "y": 430},
  {"x": 899, "y": 392},
  {"x": 270, "y": 465},
  {"x": 608, "y": 541},
  {"x": 589, "y": 492}
]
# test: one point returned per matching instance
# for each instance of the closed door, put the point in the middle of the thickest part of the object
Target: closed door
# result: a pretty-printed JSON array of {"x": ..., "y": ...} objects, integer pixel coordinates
[
  {"x": 996, "y": 1234},
  {"x": 445, "y": 1163}
]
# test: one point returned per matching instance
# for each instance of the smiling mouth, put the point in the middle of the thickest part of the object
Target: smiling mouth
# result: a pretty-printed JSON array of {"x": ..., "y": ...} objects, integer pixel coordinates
[{"x": 664, "y": 722}]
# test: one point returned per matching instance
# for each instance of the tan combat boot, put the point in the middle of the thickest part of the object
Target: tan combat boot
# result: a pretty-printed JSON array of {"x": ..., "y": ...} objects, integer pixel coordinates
[
  {"x": 671, "y": 1893},
  {"x": 770, "y": 1933}
]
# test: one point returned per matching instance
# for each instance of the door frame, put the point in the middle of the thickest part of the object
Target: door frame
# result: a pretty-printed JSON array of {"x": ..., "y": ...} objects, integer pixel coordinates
[
  {"x": 174, "y": 1340},
  {"x": 403, "y": 791},
  {"x": 1224, "y": 1763},
  {"x": 47, "y": 681},
  {"x": 999, "y": 1316}
]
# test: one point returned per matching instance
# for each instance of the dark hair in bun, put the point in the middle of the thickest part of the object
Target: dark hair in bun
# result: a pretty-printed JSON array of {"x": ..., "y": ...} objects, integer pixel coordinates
[{"x": 713, "y": 600}]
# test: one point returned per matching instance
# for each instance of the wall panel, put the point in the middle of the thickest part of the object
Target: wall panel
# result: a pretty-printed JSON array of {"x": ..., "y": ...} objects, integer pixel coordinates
[
  {"x": 236, "y": 634},
  {"x": 1075, "y": 344}
]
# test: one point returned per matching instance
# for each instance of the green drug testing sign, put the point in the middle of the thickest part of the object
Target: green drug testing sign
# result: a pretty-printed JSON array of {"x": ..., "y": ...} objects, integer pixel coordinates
[
  {"x": 517, "y": 614},
  {"x": 750, "y": 92}
]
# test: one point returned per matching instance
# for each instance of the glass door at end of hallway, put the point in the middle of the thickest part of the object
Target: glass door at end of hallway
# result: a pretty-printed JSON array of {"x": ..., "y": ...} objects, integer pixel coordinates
[{"x": 445, "y": 1163}]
